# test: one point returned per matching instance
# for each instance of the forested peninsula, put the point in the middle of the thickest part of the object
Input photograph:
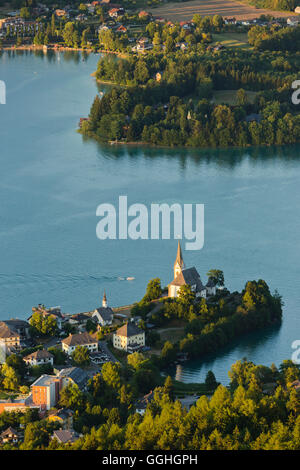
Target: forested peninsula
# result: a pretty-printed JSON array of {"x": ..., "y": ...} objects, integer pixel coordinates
[{"x": 202, "y": 96}]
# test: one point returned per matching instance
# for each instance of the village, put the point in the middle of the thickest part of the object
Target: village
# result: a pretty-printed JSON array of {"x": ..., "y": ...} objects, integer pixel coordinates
[
  {"x": 103, "y": 26},
  {"x": 59, "y": 349}
]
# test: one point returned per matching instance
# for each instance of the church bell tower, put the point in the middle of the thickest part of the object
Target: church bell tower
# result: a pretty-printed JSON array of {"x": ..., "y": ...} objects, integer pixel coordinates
[{"x": 179, "y": 263}]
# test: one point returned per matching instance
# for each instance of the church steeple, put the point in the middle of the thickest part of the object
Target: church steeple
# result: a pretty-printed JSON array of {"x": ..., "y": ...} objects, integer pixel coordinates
[
  {"x": 104, "y": 300},
  {"x": 179, "y": 263}
]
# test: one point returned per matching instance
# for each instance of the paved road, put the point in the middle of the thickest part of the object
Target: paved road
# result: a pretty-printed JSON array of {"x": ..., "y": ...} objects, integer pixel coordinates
[{"x": 105, "y": 348}]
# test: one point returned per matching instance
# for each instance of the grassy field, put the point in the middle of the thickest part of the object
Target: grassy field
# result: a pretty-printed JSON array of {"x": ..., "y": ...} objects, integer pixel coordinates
[
  {"x": 227, "y": 8},
  {"x": 239, "y": 40},
  {"x": 229, "y": 97}
]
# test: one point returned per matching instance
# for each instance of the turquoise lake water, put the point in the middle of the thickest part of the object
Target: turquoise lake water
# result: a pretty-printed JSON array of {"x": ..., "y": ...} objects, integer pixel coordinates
[{"x": 52, "y": 181}]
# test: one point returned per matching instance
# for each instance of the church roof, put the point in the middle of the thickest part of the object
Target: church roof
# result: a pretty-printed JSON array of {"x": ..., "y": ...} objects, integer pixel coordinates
[
  {"x": 179, "y": 258},
  {"x": 106, "y": 313},
  {"x": 188, "y": 276}
]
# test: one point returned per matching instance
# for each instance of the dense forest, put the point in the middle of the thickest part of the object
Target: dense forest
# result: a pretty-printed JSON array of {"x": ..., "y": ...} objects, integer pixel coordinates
[
  {"x": 179, "y": 110},
  {"x": 258, "y": 410}
]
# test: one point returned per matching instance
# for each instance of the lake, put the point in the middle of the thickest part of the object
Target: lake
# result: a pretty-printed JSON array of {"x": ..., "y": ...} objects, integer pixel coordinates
[{"x": 52, "y": 181}]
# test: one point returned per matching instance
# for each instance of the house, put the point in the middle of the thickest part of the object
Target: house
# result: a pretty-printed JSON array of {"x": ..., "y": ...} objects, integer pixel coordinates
[
  {"x": 141, "y": 405},
  {"x": 129, "y": 338},
  {"x": 116, "y": 12},
  {"x": 45, "y": 391},
  {"x": 103, "y": 315},
  {"x": 73, "y": 375},
  {"x": 60, "y": 13},
  {"x": 10, "y": 436},
  {"x": 253, "y": 117},
  {"x": 293, "y": 21},
  {"x": 64, "y": 417},
  {"x": 144, "y": 14},
  {"x": 121, "y": 29},
  {"x": 9, "y": 340},
  {"x": 188, "y": 276},
  {"x": 19, "y": 326},
  {"x": 211, "y": 287},
  {"x": 39, "y": 358},
  {"x": 65, "y": 436},
  {"x": 78, "y": 319},
  {"x": 144, "y": 44},
  {"x": 72, "y": 342}
]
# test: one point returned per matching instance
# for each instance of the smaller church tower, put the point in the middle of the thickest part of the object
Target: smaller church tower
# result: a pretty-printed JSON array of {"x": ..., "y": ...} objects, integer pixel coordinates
[
  {"x": 179, "y": 263},
  {"x": 104, "y": 300}
]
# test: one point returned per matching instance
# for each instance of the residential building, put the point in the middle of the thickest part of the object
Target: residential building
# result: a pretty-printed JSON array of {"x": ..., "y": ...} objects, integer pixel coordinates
[
  {"x": 73, "y": 375},
  {"x": 19, "y": 326},
  {"x": 9, "y": 341},
  {"x": 72, "y": 342},
  {"x": 129, "y": 338},
  {"x": 39, "y": 358},
  {"x": 65, "y": 436},
  {"x": 64, "y": 417},
  {"x": 9, "y": 436},
  {"x": 293, "y": 21},
  {"x": 141, "y": 405},
  {"x": 45, "y": 391},
  {"x": 103, "y": 315},
  {"x": 116, "y": 12}
]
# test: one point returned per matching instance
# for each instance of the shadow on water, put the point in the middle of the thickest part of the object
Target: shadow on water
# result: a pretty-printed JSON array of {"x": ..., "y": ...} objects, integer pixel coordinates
[
  {"x": 228, "y": 158},
  {"x": 195, "y": 370}
]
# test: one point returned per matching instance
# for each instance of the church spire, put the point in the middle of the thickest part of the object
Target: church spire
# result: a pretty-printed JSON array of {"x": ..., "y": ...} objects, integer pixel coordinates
[
  {"x": 104, "y": 300},
  {"x": 179, "y": 263}
]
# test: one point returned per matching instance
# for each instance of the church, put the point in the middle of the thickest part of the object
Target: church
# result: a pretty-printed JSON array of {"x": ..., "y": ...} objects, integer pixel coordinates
[
  {"x": 103, "y": 315},
  {"x": 189, "y": 276}
]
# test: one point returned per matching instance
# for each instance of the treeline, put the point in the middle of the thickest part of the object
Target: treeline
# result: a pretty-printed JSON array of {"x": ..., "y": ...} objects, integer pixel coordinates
[
  {"x": 176, "y": 109},
  {"x": 284, "y": 39},
  {"x": 285, "y": 5},
  {"x": 258, "y": 411}
]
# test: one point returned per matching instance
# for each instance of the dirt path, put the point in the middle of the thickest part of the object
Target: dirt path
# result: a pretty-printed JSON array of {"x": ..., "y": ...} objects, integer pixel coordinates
[{"x": 227, "y": 8}]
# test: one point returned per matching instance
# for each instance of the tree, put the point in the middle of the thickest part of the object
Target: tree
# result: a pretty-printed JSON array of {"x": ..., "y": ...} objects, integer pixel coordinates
[
  {"x": 11, "y": 380},
  {"x": 60, "y": 357},
  {"x": 217, "y": 276},
  {"x": 169, "y": 388},
  {"x": 154, "y": 290},
  {"x": 136, "y": 359},
  {"x": 68, "y": 33},
  {"x": 241, "y": 96},
  {"x": 80, "y": 357},
  {"x": 210, "y": 380},
  {"x": 25, "y": 13},
  {"x": 185, "y": 295},
  {"x": 43, "y": 324}
]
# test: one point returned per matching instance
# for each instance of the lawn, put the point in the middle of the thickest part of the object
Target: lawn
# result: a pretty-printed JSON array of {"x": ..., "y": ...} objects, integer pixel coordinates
[
  {"x": 239, "y": 40},
  {"x": 229, "y": 97}
]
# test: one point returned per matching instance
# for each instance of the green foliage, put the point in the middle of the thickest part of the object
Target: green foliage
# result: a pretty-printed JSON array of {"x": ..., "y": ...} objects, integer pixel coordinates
[
  {"x": 60, "y": 357},
  {"x": 177, "y": 110},
  {"x": 43, "y": 325},
  {"x": 153, "y": 291},
  {"x": 81, "y": 357},
  {"x": 216, "y": 274}
]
